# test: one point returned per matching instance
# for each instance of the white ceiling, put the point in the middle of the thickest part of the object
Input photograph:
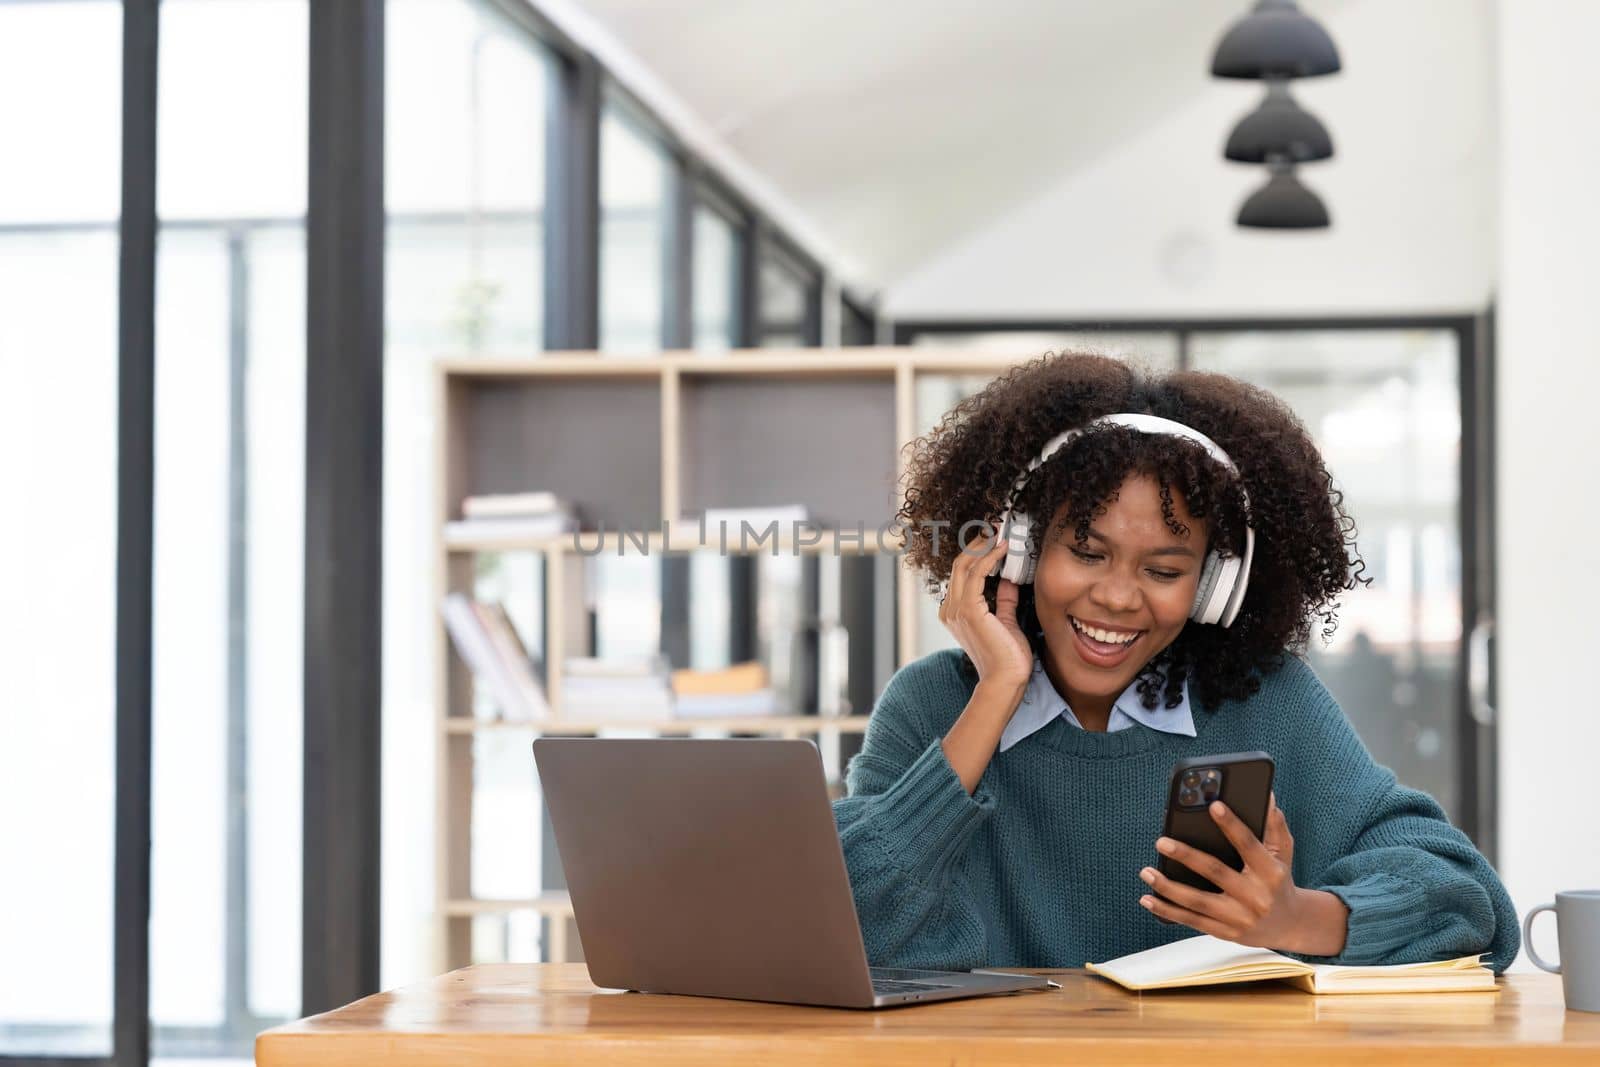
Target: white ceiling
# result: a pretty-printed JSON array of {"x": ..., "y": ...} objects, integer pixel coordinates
[{"x": 897, "y": 127}]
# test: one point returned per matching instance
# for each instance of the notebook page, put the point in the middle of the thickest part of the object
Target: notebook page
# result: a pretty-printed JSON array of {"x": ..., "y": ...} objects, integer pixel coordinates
[
  {"x": 1463, "y": 963},
  {"x": 1194, "y": 957},
  {"x": 1466, "y": 972}
]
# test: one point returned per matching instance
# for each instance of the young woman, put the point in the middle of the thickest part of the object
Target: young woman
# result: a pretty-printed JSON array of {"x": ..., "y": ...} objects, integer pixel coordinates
[{"x": 1006, "y": 806}]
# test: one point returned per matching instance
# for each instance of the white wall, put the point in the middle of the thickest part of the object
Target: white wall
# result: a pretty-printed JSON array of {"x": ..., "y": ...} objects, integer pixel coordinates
[
  {"x": 1148, "y": 230},
  {"x": 1549, "y": 377}
]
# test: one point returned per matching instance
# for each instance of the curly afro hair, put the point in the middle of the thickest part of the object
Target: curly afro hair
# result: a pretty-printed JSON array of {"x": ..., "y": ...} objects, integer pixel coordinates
[{"x": 963, "y": 470}]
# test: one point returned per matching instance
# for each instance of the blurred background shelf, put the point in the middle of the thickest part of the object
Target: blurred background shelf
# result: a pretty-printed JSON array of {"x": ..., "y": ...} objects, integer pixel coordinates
[
  {"x": 775, "y": 725},
  {"x": 559, "y": 904},
  {"x": 633, "y": 442},
  {"x": 552, "y": 911},
  {"x": 589, "y": 543}
]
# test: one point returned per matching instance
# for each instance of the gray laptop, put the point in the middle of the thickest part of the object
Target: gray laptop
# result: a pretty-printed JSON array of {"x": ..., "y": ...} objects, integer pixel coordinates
[{"x": 713, "y": 868}]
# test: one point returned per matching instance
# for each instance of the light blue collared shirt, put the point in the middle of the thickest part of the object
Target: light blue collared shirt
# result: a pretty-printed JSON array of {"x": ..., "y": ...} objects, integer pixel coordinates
[{"x": 1041, "y": 704}]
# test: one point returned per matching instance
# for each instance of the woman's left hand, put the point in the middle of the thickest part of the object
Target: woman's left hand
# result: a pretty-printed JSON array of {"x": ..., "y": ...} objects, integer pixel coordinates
[{"x": 1259, "y": 905}]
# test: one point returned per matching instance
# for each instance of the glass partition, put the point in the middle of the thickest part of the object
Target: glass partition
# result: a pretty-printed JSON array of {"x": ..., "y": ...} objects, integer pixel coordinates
[
  {"x": 1384, "y": 407},
  {"x": 60, "y": 68}
]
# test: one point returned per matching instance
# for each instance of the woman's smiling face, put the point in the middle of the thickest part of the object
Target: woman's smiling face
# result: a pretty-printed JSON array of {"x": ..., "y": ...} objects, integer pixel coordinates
[{"x": 1132, "y": 576}]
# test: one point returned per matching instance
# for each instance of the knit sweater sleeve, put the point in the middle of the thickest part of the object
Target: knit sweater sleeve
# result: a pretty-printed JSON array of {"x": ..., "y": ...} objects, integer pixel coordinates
[
  {"x": 1415, "y": 886},
  {"x": 904, "y": 826}
]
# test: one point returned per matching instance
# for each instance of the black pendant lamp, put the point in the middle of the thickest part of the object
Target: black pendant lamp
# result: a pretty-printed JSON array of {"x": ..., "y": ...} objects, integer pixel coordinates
[
  {"x": 1279, "y": 127},
  {"x": 1276, "y": 40},
  {"x": 1283, "y": 203}
]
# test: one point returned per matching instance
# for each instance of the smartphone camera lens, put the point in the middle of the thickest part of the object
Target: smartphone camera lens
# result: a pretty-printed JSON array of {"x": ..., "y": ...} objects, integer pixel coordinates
[{"x": 1199, "y": 786}]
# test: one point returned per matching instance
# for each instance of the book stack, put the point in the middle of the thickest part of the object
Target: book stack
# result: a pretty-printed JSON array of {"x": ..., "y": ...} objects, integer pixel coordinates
[
  {"x": 512, "y": 517},
  {"x": 733, "y": 692},
  {"x": 486, "y": 639},
  {"x": 628, "y": 690}
]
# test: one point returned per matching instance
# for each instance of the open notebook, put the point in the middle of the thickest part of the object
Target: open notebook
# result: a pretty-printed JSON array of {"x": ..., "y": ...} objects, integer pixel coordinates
[{"x": 1207, "y": 960}]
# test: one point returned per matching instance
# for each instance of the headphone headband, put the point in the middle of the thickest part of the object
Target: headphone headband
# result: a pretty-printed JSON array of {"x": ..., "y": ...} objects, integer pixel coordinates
[{"x": 1133, "y": 420}]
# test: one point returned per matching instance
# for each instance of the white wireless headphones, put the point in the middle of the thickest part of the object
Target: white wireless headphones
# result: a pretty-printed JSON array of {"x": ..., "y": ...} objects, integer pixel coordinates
[{"x": 1222, "y": 580}]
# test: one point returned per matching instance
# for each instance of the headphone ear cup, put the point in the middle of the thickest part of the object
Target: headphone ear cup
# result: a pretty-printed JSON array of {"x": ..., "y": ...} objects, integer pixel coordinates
[
  {"x": 1209, "y": 571},
  {"x": 1018, "y": 566},
  {"x": 1222, "y": 596},
  {"x": 1228, "y": 605},
  {"x": 1241, "y": 580}
]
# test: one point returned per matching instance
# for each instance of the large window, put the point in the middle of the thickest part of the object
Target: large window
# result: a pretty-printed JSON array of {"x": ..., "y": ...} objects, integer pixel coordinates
[
  {"x": 468, "y": 92},
  {"x": 716, "y": 279},
  {"x": 58, "y": 552},
  {"x": 788, "y": 301},
  {"x": 229, "y": 524},
  {"x": 1157, "y": 349},
  {"x": 634, "y": 173},
  {"x": 465, "y": 143}
]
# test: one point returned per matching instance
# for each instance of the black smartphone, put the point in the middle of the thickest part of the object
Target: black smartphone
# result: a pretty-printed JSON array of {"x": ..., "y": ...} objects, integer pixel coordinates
[{"x": 1241, "y": 780}]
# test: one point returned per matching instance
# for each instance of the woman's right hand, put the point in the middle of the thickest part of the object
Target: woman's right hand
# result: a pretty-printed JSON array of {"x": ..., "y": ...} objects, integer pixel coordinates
[{"x": 992, "y": 639}]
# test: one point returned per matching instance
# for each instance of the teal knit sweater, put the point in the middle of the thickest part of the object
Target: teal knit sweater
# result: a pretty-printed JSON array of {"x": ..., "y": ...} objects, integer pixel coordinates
[{"x": 1039, "y": 866}]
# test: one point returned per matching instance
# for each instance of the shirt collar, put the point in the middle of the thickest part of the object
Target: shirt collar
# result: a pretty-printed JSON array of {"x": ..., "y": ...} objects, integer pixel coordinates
[{"x": 1041, "y": 704}]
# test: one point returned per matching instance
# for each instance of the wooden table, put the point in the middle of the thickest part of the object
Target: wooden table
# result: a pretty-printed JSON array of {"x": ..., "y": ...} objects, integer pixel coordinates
[{"x": 551, "y": 1013}]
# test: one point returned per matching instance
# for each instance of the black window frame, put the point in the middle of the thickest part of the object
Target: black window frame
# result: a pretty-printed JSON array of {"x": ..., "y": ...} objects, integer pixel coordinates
[{"x": 858, "y": 320}]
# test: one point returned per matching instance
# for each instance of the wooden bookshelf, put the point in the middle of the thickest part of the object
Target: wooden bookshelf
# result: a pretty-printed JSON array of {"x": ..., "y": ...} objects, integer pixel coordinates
[
  {"x": 774, "y": 725},
  {"x": 554, "y": 903},
  {"x": 637, "y": 441},
  {"x": 612, "y": 542}
]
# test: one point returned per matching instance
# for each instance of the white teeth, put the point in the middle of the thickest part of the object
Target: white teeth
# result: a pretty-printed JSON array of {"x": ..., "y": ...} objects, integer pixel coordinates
[{"x": 1108, "y": 636}]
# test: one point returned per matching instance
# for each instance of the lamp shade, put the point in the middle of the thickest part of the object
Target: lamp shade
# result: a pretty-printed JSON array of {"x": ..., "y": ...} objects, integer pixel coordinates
[
  {"x": 1279, "y": 127},
  {"x": 1275, "y": 40},
  {"x": 1283, "y": 204}
]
